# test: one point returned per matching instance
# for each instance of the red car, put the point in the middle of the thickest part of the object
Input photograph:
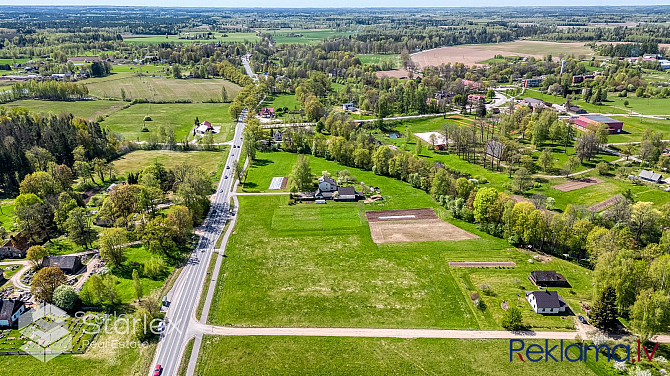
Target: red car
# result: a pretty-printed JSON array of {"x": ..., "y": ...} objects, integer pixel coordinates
[{"x": 158, "y": 370}]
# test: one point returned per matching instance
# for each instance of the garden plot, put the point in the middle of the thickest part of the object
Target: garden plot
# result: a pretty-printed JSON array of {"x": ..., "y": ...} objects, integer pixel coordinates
[
  {"x": 412, "y": 225},
  {"x": 576, "y": 184},
  {"x": 439, "y": 138},
  {"x": 277, "y": 182}
]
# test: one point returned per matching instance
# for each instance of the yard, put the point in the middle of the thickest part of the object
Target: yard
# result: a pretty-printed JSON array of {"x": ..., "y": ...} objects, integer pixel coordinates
[
  {"x": 373, "y": 356},
  {"x": 159, "y": 89},
  {"x": 6, "y": 216},
  {"x": 129, "y": 122}
]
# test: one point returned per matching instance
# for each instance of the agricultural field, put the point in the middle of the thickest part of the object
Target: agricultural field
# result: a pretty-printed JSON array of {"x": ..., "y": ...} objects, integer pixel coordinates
[
  {"x": 313, "y": 36},
  {"x": 86, "y": 109},
  {"x": 217, "y": 37},
  {"x": 135, "y": 161},
  {"x": 298, "y": 281},
  {"x": 373, "y": 356},
  {"x": 130, "y": 121},
  {"x": 475, "y": 54},
  {"x": 378, "y": 59},
  {"x": 139, "y": 69},
  {"x": 158, "y": 89}
]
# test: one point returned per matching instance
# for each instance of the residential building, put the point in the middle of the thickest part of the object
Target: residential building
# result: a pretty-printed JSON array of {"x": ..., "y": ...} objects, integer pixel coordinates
[
  {"x": 10, "y": 310},
  {"x": 591, "y": 121},
  {"x": 546, "y": 302},
  {"x": 349, "y": 107},
  {"x": 548, "y": 278},
  {"x": 535, "y": 103},
  {"x": 69, "y": 264},
  {"x": 650, "y": 176},
  {"x": 204, "y": 127},
  {"x": 532, "y": 82},
  {"x": 267, "y": 112},
  {"x": 15, "y": 247},
  {"x": 329, "y": 190}
]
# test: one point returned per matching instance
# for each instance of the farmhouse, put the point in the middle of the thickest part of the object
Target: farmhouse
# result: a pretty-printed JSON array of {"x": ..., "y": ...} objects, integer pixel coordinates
[
  {"x": 650, "y": 176},
  {"x": 267, "y": 112},
  {"x": 591, "y": 122},
  {"x": 10, "y": 310},
  {"x": 328, "y": 190},
  {"x": 548, "y": 278},
  {"x": 15, "y": 247},
  {"x": 204, "y": 127},
  {"x": 69, "y": 264},
  {"x": 546, "y": 302}
]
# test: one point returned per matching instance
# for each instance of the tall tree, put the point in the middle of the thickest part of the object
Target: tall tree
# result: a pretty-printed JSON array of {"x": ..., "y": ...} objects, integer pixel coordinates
[
  {"x": 301, "y": 175},
  {"x": 603, "y": 313},
  {"x": 46, "y": 281}
]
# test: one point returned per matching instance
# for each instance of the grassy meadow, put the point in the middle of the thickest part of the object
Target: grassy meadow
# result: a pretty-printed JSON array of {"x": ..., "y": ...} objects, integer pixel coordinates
[
  {"x": 210, "y": 161},
  {"x": 379, "y": 59},
  {"x": 373, "y": 356},
  {"x": 129, "y": 122},
  {"x": 305, "y": 36},
  {"x": 159, "y": 89},
  {"x": 6, "y": 216},
  {"x": 217, "y": 37},
  {"x": 86, "y": 109}
]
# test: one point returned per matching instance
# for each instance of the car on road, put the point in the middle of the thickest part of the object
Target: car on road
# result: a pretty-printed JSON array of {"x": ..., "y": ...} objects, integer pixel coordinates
[
  {"x": 158, "y": 369},
  {"x": 227, "y": 167},
  {"x": 582, "y": 319},
  {"x": 225, "y": 177}
]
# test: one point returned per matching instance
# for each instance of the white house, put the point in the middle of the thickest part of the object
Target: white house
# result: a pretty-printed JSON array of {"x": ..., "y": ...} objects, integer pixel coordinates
[
  {"x": 327, "y": 184},
  {"x": 546, "y": 302}
]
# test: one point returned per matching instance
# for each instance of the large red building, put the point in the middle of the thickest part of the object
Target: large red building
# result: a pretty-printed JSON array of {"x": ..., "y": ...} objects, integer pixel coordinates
[{"x": 591, "y": 121}]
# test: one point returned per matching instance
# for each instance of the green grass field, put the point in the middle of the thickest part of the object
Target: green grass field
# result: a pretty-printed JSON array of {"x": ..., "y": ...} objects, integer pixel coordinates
[
  {"x": 634, "y": 127},
  {"x": 378, "y": 59},
  {"x": 316, "y": 265},
  {"x": 645, "y": 106},
  {"x": 283, "y": 100},
  {"x": 374, "y": 356},
  {"x": 305, "y": 36},
  {"x": 128, "y": 122},
  {"x": 159, "y": 89},
  {"x": 146, "y": 69},
  {"x": 135, "y": 161},
  {"x": 606, "y": 108},
  {"x": 6, "y": 217},
  {"x": 85, "y": 109},
  {"x": 218, "y": 37}
]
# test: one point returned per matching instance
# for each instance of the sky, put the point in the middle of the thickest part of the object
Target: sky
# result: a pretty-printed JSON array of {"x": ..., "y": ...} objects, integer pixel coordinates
[{"x": 339, "y": 3}]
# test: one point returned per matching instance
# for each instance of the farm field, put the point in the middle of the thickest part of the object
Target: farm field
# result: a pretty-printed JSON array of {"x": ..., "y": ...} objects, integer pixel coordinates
[
  {"x": 158, "y": 89},
  {"x": 218, "y": 37},
  {"x": 138, "y": 69},
  {"x": 372, "y": 356},
  {"x": 393, "y": 59},
  {"x": 129, "y": 122},
  {"x": 473, "y": 54},
  {"x": 308, "y": 274},
  {"x": 86, "y": 109},
  {"x": 135, "y": 161},
  {"x": 306, "y": 36}
]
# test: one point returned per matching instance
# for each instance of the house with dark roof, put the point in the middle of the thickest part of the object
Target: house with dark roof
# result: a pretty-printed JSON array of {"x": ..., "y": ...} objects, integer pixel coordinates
[
  {"x": 10, "y": 310},
  {"x": 329, "y": 190},
  {"x": 15, "y": 247},
  {"x": 548, "y": 278},
  {"x": 546, "y": 302},
  {"x": 591, "y": 122},
  {"x": 69, "y": 264},
  {"x": 535, "y": 103},
  {"x": 650, "y": 176}
]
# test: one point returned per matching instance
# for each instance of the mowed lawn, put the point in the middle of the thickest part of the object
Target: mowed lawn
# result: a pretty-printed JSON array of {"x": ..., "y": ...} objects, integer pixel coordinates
[
  {"x": 6, "y": 216},
  {"x": 210, "y": 161},
  {"x": 86, "y": 109},
  {"x": 634, "y": 127},
  {"x": 160, "y": 89},
  {"x": 645, "y": 106},
  {"x": 181, "y": 116},
  {"x": 374, "y": 356},
  {"x": 394, "y": 59}
]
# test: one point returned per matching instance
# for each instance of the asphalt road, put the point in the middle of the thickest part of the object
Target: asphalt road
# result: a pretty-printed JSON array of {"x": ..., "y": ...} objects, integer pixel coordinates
[{"x": 184, "y": 296}]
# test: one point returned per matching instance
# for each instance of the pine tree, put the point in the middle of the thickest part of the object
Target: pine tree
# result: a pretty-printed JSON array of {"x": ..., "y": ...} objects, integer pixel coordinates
[{"x": 604, "y": 312}]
